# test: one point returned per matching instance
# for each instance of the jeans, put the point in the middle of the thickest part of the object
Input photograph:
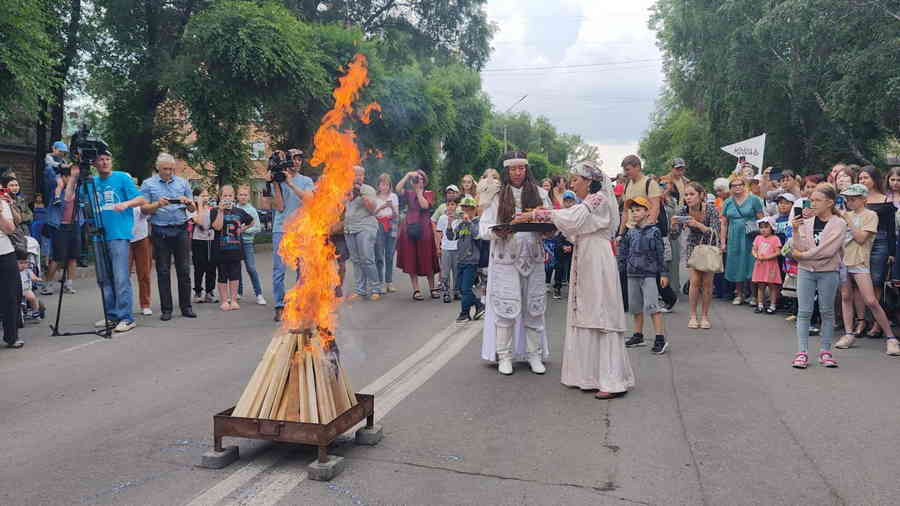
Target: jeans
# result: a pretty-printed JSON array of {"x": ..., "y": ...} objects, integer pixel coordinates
[
  {"x": 277, "y": 271},
  {"x": 467, "y": 274},
  {"x": 809, "y": 284},
  {"x": 385, "y": 244},
  {"x": 362, "y": 254},
  {"x": 167, "y": 244},
  {"x": 448, "y": 269},
  {"x": 117, "y": 294},
  {"x": 250, "y": 265}
]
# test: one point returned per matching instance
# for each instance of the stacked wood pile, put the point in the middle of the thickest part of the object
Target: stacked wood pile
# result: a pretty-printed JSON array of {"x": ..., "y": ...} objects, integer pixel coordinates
[{"x": 299, "y": 379}]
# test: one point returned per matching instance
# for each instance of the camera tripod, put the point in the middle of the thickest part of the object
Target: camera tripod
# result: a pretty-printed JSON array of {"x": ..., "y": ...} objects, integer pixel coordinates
[{"x": 86, "y": 198}]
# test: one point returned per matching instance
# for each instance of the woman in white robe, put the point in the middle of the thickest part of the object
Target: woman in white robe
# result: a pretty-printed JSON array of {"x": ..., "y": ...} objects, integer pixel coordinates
[{"x": 594, "y": 355}]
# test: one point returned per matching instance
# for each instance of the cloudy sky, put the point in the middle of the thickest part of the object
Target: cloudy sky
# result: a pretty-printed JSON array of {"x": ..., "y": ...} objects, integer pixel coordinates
[{"x": 606, "y": 71}]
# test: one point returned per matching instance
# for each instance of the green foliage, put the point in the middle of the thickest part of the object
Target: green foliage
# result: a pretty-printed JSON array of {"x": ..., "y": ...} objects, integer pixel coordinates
[
  {"x": 682, "y": 134},
  {"x": 27, "y": 60},
  {"x": 538, "y": 135},
  {"x": 800, "y": 70},
  {"x": 541, "y": 167}
]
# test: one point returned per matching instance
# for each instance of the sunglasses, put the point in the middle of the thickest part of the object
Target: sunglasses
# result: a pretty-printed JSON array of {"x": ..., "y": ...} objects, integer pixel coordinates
[{"x": 735, "y": 185}]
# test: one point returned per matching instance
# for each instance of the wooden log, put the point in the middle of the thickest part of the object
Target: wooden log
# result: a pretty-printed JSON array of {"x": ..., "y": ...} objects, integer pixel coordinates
[
  {"x": 292, "y": 392},
  {"x": 313, "y": 407},
  {"x": 265, "y": 409},
  {"x": 345, "y": 382},
  {"x": 283, "y": 369},
  {"x": 242, "y": 408},
  {"x": 324, "y": 395}
]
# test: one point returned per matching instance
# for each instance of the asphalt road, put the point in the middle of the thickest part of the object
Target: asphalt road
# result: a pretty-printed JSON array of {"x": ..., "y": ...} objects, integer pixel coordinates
[{"x": 721, "y": 419}]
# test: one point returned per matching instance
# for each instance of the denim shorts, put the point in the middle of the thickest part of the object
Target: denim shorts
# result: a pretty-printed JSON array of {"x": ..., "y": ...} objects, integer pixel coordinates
[{"x": 878, "y": 260}]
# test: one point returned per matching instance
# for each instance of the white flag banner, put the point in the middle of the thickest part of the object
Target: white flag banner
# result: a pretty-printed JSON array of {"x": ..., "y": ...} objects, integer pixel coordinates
[{"x": 753, "y": 150}]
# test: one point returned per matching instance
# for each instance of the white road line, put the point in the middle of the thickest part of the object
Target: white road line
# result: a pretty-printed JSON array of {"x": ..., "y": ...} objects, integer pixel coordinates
[
  {"x": 82, "y": 345},
  {"x": 240, "y": 477},
  {"x": 390, "y": 389}
]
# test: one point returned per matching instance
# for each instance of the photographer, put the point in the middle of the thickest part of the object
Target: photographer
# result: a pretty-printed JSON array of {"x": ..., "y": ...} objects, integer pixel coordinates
[
  {"x": 289, "y": 187},
  {"x": 170, "y": 201},
  {"x": 116, "y": 196},
  {"x": 360, "y": 230},
  {"x": 65, "y": 221}
]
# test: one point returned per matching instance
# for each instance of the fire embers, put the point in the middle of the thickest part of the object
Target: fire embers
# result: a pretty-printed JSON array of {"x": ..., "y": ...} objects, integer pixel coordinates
[{"x": 299, "y": 379}]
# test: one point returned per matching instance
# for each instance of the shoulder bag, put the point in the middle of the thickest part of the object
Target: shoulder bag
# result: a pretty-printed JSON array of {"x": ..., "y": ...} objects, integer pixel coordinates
[{"x": 707, "y": 256}]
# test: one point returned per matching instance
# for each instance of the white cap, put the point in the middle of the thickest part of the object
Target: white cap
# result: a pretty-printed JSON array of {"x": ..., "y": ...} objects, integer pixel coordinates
[
  {"x": 787, "y": 196},
  {"x": 452, "y": 187}
]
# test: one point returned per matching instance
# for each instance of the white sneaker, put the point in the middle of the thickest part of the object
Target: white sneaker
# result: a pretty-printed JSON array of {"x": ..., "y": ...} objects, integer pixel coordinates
[
  {"x": 212, "y": 297},
  {"x": 124, "y": 326},
  {"x": 537, "y": 366},
  {"x": 261, "y": 300},
  {"x": 505, "y": 366},
  {"x": 68, "y": 290},
  {"x": 147, "y": 311}
]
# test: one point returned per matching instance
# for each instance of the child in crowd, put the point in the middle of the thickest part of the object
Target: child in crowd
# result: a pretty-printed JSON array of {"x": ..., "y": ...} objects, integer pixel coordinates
[
  {"x": 448, "y": 248},
  {"x": 229, "y": 223},
  {"x": 36, "y": 312},
  {"x": 468, "y": 254},
  {"x": 243, "y": 196},
  {"x": 201, "y": 249},
  {"x": 642, "y": 258},
  {"x": 766, "y": 271},
  {"x": 563, "y": 252}
]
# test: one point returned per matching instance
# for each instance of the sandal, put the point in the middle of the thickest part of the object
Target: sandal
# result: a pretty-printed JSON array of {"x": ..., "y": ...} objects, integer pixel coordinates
[
  {"x": 858, "y": 331},
  {"x": 435, "y": 293},
  {"x": 826, "y": 359},
  {"x": 704, "y": 324},
  {"x": 693, "y": 323},
  {"x": 417, "y": 295},
  {"x": 845, "y": 342},
  {"x": 801, "y": 360}
]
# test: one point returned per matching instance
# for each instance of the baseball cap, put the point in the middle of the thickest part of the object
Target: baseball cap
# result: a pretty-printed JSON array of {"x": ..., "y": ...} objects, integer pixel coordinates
[
  {"x": 468, "y": 201},
  {"x": 452, "y": 188},
  {"x": 294, "y": 152},
  {"x": 678, "y": 162},
  {"x": 855, "y": 190},
  {"x": 569, "y": 194},
  {"x": 60, "y": 145},
  {"x": 787, "y": 196},
  {"x": 639, "y": 201}
]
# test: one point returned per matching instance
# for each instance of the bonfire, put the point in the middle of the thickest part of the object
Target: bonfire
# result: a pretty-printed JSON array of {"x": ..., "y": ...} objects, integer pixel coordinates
[{"x": 300, "y": 377}]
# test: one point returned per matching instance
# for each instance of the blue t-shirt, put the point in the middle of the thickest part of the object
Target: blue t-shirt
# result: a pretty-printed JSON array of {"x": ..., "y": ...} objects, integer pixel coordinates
[
  {"x": 174, "y": 213},
  {"x": 114, "y": 189},
  {"x": 291, "y": 200}
]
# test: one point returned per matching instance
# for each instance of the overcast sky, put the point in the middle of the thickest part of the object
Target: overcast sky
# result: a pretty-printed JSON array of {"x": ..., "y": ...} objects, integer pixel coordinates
[{"x": 612, "y": 73}]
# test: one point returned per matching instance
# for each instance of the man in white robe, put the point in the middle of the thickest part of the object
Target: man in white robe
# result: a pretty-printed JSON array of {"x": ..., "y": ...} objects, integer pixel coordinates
[{"x": 516, "y": 295}]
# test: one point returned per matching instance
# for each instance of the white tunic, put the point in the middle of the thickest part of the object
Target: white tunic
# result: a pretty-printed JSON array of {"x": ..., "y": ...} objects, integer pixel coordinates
[
  {"x": 594, "y": 356},
  {"x": 518, "y": 256}
]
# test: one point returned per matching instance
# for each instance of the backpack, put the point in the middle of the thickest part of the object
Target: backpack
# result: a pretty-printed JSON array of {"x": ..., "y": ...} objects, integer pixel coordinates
[{"x": 662, "y": 221}]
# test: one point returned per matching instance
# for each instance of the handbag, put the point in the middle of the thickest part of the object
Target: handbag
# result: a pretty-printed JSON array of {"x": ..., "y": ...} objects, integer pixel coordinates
[
  {"x": 751, "y": 228},
  {"x": 707, "y": 257}
]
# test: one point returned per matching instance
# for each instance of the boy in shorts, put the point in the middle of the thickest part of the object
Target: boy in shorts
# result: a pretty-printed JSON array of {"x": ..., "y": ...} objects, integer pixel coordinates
[{"x": 642, "y": 258}]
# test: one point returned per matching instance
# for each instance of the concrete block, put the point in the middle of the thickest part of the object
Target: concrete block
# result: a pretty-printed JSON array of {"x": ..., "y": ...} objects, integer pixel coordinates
[
  {"x": 325, "y": 472},
  {"x": 369, "y": 436},
  {"x": 217, "y": 460}
]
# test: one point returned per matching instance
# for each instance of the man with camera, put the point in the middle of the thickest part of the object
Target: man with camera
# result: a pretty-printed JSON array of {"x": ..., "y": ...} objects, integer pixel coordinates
[
  {"x": 116, "y": 194},
  {"x": 169, "y": 200},
  {"x": 289, "y": 188}
]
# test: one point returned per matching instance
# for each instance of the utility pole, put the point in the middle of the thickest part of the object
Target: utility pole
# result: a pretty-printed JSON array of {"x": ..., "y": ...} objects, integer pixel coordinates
[{"x": 506, "y": 122}]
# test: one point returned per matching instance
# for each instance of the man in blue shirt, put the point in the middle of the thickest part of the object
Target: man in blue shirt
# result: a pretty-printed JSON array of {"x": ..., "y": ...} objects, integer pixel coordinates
[
  {"x": 287, "y": 197},
  {"x": 169, "y": 200},
  {"x": 114, "y": 194}
]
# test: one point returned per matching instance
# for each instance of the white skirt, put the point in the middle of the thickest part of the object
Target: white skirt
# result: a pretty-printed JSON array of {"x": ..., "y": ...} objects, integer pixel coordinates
[{"x": 593, "y": 360}]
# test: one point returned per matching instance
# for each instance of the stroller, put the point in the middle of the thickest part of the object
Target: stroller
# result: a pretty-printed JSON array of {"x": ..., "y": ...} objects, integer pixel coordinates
[{"x": 34, "y": 266}]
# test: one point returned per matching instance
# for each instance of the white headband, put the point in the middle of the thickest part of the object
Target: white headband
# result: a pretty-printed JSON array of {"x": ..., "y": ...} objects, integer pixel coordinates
[{"x": 514, "y": 161}]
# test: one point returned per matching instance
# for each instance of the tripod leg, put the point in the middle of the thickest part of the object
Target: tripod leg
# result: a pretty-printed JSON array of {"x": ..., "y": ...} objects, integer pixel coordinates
[{"x": 62, "y": 281}]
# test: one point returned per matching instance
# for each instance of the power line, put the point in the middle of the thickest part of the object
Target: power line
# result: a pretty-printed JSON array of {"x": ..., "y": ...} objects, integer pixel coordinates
[{"x": 587, "y": 65}]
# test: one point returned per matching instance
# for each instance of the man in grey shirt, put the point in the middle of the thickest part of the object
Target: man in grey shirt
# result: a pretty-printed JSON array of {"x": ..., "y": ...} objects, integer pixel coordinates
[{"x": 361, "y": 230}]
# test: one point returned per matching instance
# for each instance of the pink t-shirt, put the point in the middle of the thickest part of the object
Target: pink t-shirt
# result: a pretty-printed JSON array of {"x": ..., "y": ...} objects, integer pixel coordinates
[{"x": 766, "y": 246}]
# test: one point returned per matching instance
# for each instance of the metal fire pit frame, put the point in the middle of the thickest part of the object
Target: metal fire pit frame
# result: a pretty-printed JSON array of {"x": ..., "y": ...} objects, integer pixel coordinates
[{"x": 316, "y": 434}]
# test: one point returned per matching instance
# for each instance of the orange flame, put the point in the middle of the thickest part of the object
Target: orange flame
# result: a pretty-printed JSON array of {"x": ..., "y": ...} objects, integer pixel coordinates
[
  {"x": 366, "y": 116},
  {"x": 311, "y": 303}
]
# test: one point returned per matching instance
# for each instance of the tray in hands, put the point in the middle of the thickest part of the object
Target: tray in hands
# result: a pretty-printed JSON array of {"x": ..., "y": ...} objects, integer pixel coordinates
[{"x": 543, "y": 228}]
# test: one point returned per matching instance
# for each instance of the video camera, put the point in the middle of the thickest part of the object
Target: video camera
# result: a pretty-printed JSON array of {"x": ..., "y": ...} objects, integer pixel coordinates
[
  {"x": 86, "y": 148},
  {"x": 279, "y": 163}
]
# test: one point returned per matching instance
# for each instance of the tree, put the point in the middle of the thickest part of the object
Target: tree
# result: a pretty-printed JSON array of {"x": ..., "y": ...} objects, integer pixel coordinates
[{"x": 28, "y": 71}]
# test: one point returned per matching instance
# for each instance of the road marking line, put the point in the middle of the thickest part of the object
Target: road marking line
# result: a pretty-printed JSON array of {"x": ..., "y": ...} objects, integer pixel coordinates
[
  {"x": 390, "y": 389},
  {"x": 240, "y": 477},
  {"x": 82, "y": 345}
]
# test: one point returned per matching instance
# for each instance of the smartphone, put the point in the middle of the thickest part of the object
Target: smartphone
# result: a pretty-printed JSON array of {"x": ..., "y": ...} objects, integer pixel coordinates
[
  {"x": 798, "y": 212},
  {"x": 682, "y": 219},
  {"x": 807, "y": 204}
]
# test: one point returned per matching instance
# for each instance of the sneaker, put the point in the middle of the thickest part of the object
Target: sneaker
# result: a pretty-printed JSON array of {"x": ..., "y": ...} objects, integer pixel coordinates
[
  {"x": 665, "y": 309},
  {"x": 751, "y": 301},
  {"x": 826, "y": 359},
  {"x": 212, "y": 297},
  {"x": 198, "y": 298},
  {"x": 758, "y": 310},
  {"x": 261, "y": 300},
  {"x": 704, "y": 324},
  {"x": 790, "y": 318},
  {"x": 892, "y": 347},
  {"x": 239, "y": 296},
  {"x": 846, "y": 341},
  {"x": 801, "y": 360},
  {"x": 147, "y": 311},
  {"x": 693, "y": 323},
  {"x": 456, "y": 296},
  {"x": 390, "y": 288},
  {"x": 634, "y": 341},
  {"x": 479, "y": 312},
  {"x": 660, "y": 347},
  {"x": 47, "y": 290},
  {"x": 814, "y": 331},
  {"x": 771, "y": 310},
  {"x": 124, "y": 326},
  {"x": 447, "y": 298},
  {"x": 505, "y": 367},
  {"x": 737, "y": 301},
  {"x": 105, "y": 323},
  {"x": 68, "y": 290},
  {"x": 537, "y": 366},
  {"x": 463, "y": 317},
  {"x": 557, "y": 294}
]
